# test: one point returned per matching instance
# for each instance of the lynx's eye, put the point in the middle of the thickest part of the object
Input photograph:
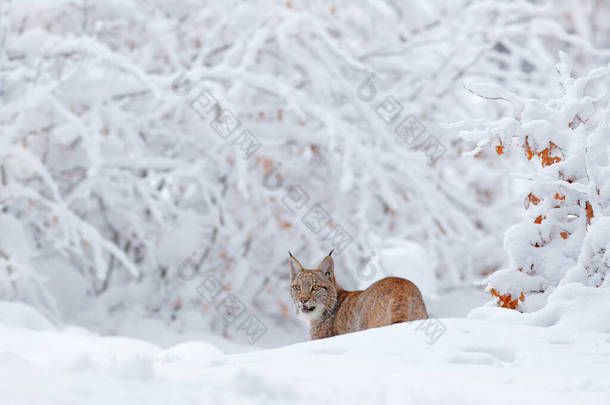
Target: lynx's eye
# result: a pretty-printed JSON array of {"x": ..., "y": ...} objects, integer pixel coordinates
[
  {"x": 296, "y": 287},
  {"x": 315, "y": 287}
]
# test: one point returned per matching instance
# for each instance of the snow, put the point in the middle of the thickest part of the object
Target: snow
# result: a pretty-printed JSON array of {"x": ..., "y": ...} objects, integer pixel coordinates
[
  {"x": 473, "y": 362},
  {"x": 120, "y": 195},
  {"x": 571, "y": 306},
  {"x": 22, "y": 315},
  {"x": 404, "y": 259}
]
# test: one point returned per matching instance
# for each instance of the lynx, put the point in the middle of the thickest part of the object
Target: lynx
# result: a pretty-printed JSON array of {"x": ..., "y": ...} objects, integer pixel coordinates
[{"x": 333, "y": 311}]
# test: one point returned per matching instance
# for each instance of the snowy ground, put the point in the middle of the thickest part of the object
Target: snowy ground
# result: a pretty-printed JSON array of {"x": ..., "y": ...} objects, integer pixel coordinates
[{"x": 473, "y": 362}]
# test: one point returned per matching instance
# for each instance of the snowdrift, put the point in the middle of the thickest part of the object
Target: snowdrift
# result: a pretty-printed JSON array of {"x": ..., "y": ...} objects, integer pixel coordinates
[{"x": 472, "y": 362}]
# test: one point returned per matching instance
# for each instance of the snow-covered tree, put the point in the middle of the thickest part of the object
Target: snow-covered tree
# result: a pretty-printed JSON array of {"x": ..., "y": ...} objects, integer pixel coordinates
[{"x": 566, "y": 193}]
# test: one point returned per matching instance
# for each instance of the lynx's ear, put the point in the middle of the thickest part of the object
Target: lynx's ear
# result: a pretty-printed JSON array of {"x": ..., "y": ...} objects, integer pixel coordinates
[
  {"x": 327, "y": 266},
  {"x": 295, "y": 266}
]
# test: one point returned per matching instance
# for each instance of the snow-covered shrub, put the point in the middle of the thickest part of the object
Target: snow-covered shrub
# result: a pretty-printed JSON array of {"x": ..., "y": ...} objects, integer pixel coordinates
[{"x": 566, "y": 194}]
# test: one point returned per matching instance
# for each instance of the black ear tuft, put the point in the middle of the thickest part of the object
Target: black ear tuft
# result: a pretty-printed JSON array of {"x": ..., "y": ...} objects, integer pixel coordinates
[
  {"x": 331, "y": 252},
  {"x": 295, "y": 266},
  {"x": 327, "y": 266}
]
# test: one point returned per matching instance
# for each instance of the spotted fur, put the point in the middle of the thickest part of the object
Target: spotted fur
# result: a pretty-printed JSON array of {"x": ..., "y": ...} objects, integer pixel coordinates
[{"x": 333, "y": 311}]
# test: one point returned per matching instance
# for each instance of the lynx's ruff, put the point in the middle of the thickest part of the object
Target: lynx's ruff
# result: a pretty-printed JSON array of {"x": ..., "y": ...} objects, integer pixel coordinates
[{"x": 333, "y": 311}]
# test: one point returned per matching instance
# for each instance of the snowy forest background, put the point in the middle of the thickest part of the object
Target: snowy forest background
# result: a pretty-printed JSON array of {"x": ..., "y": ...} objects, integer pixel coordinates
[{"x": 152, "y": 151}]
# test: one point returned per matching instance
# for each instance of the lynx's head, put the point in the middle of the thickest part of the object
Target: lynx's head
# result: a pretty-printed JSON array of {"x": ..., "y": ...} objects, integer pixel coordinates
[{"x": 314, "y": 291}]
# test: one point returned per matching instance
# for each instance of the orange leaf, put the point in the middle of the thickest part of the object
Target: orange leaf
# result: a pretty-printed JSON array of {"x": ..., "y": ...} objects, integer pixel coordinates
[
  {"x": 505, "y": 300},
  {"x": 285, "y": 311},
  {"x": 528, "y": 151},
  {"x": 177, "y": 304},
  {"x": 533, "y": 199},
  {"x": 547, "y": 160},
  {"x": 589, "y": 209}
]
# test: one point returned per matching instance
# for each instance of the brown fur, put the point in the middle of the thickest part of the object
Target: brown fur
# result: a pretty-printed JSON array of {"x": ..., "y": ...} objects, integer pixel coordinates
[{"x": 333, "y": 311}]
